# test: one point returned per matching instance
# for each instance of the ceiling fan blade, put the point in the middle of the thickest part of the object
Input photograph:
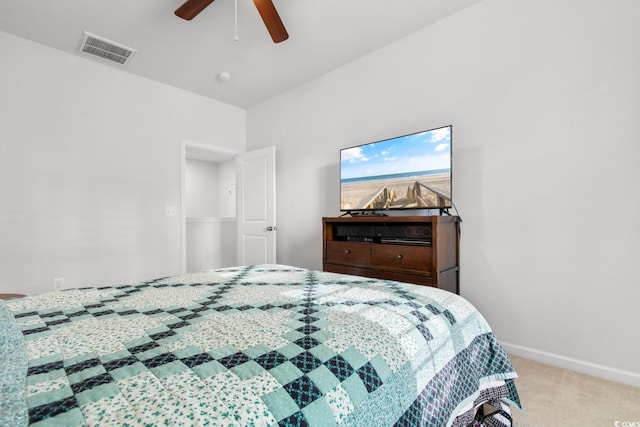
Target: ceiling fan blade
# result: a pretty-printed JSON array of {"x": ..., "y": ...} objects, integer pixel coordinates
[
  {"x": 191, "y": 8},
  {"x": 271, "y": 20}
]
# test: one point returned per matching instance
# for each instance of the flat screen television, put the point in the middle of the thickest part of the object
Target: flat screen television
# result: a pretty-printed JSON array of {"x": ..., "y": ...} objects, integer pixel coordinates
[{"x": 406, "y": 172}]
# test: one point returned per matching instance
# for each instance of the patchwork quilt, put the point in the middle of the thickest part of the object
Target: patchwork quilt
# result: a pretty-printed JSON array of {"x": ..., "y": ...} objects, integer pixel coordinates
[{"x": 263, "y": 345}]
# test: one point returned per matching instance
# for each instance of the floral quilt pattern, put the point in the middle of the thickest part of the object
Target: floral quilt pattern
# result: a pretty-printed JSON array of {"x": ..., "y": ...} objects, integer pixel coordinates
[{"x": 265, "y": 345}]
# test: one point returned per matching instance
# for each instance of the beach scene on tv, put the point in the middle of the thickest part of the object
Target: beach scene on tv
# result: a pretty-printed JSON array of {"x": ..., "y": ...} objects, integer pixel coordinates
[{"x": 411, "y": 171}]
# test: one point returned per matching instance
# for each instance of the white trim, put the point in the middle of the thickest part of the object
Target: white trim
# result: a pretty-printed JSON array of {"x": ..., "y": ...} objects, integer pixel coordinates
[
  {"x": 207, "y": 147},
  {"x": 584, "y": 367},
  {"x": 184, "y": 143}
]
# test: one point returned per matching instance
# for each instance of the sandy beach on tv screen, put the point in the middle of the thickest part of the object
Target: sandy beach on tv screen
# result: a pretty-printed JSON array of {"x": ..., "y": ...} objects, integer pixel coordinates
[{"x": 354, "y": 194}]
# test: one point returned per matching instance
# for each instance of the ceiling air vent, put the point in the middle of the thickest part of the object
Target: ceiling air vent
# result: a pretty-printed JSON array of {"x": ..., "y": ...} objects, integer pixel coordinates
[{"x": 105, "y": 49}]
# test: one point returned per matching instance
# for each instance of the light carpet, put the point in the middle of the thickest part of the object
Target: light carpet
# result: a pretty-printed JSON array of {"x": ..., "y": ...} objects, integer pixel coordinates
[{"x": 558, "y": 397}]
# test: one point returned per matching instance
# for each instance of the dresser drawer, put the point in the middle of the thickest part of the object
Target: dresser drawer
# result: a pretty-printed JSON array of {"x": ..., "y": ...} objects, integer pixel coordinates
[
  {"x": 402, "y": 257},
  {"x": 352, "y": 253}
]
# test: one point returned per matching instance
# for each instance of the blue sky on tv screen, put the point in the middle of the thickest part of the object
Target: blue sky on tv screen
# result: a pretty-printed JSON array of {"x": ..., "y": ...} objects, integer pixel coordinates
[{"x": 423, "y": 151}]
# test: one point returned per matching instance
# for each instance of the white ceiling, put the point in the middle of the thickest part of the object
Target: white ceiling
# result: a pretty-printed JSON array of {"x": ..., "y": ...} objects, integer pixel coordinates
[{"x": 323, "y": 35}]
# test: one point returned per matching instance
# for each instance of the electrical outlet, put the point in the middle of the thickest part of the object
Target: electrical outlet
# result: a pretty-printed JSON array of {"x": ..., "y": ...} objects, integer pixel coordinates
[
  {"x": 58, "y": 284},
  {"x": 170, "y": 210}
]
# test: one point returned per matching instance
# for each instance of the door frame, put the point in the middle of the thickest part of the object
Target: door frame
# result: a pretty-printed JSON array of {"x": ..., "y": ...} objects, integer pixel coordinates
[{"x": 184, "y": 145}]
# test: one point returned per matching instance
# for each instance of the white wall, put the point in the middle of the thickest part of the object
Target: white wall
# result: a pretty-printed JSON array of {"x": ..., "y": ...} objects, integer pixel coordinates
[
  {"x": 210, "y": 189},
  {"x": 201, "y": 188},
  {"x": 227, "y": 189},
  {"x": 210, "y": 204},
  {"x": 211, "y": 243},
  {"x": 544, "y": 99},
  {"x": 89, "y": 158}
]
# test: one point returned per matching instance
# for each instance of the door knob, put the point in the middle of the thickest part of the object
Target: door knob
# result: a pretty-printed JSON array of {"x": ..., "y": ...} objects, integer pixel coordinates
[{"x": 270, "y": 228}]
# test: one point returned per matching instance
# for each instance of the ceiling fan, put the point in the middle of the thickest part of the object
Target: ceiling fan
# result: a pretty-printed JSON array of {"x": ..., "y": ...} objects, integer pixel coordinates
[{"x": 267, "y": 11}]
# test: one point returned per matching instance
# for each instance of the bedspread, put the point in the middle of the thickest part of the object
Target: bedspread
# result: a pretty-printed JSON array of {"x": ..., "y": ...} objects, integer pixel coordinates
[{"x": 251, "y": 345}]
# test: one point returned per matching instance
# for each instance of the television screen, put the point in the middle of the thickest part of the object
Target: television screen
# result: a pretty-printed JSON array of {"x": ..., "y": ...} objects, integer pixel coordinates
[{"x": 407, "y": 172}]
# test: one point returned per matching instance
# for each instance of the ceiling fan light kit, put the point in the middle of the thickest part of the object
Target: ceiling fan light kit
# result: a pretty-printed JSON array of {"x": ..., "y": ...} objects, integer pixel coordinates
[{"x": 191, "y": 8}]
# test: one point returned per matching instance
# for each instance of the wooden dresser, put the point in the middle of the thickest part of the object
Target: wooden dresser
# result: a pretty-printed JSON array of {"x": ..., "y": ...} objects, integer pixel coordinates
[{"x": 415, "y": 249}]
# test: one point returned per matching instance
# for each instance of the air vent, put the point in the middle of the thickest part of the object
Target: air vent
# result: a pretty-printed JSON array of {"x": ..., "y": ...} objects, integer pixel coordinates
[{"x": 105, "y": 49}]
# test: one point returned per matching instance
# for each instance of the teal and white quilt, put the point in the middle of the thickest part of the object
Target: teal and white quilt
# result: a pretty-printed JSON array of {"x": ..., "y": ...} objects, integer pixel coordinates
[{"x": 264, "y": 345}]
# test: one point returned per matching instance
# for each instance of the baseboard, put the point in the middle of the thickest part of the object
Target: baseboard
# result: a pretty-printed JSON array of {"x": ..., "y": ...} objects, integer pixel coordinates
[{"x": 593, "y": 369}]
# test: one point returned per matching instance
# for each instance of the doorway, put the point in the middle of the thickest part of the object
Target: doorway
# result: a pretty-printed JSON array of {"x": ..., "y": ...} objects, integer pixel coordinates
[
  {"x": 236, "y": 181},
  {"x": 209, "y": 221}
]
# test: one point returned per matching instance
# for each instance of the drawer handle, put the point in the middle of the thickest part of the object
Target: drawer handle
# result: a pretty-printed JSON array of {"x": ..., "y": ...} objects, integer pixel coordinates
[
  {"x": 347, "y": 251},
  {"x": 399, "y": 256}
]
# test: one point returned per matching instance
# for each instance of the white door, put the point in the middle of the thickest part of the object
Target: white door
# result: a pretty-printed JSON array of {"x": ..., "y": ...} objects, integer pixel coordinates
[{"x": 256, "y": 206}]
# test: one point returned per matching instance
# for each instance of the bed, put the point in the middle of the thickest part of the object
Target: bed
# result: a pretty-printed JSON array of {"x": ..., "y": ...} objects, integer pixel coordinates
[{"x": 252, "y": 345}]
